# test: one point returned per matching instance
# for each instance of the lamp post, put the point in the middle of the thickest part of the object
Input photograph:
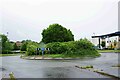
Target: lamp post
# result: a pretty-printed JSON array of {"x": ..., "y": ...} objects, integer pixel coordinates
[
  {"x": 93, "y": 40},
  {"x": 7, "y": 37},
  {"x": 93, "y": 34}
]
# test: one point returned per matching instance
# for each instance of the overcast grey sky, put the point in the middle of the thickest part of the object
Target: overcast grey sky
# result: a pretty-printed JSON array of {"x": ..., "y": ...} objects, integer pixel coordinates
[{"x": 25, "y": 19}]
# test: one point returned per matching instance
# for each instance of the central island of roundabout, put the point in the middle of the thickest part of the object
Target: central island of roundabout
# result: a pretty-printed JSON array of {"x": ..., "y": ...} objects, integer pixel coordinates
[{"x": 62, "y": 50}]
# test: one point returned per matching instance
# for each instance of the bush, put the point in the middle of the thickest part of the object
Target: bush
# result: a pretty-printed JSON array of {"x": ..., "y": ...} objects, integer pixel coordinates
[
  {"x": 57, "y": 47},
  {"x": 78, "y": 48},
  {"x": 24, "y": 46},
  {"x": 31, "y": 49},
  {"x": 6, "y": 51}
]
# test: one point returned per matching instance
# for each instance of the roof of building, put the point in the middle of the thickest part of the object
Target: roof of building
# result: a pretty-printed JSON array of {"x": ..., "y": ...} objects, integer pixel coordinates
[
  {"x": 18, "y": 43},
  {"x": 108, "y": 35}
]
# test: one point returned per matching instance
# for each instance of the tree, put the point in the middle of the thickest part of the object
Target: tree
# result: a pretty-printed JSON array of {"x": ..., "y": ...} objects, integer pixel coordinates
[
  {"x": 24, "y": 46},
  {"x": 57, "y": 33},
  {"x": 16, "y": 47},
  {"x": 26, "y": 43},
  {"x": 6, "y": 45},
  {"x": 4, "y": 39},
  {"x": 31, "y": 47}
]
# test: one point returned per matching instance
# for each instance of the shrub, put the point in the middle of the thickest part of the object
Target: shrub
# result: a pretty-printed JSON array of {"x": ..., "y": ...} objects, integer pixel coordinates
[
  {"x": 78, "y": 48},
  {"x": 31, "y": 49},
  {"x": 55, "y": 47},
  {"x": 24, "y": 46}
]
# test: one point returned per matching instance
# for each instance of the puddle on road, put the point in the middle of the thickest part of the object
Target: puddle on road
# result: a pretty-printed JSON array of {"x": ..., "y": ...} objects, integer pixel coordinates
[{"x": 56, "y": 72}]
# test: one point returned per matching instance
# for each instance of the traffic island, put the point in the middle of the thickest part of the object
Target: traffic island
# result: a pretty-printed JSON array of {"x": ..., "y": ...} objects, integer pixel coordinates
[
  {"x": 47, "y": 58},
  {"x": 54, "y": 57}
]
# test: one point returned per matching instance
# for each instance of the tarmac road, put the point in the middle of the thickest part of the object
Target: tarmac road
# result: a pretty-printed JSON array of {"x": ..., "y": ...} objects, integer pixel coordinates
[{"x": 59, "y": 68}]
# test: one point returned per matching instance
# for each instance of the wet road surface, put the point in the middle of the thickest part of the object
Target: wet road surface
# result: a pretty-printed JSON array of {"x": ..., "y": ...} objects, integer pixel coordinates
[{"x": 59, "y": 68}]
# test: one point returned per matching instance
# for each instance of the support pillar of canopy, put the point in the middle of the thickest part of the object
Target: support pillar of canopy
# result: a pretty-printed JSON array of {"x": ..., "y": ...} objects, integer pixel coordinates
[
  {"x": 99, "y": 42},
  {"x": 119, "y": 42}
]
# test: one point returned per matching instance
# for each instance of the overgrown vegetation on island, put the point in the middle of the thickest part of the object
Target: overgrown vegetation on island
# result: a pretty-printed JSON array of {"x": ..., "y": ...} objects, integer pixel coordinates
[{"x": 79, "y": 48}]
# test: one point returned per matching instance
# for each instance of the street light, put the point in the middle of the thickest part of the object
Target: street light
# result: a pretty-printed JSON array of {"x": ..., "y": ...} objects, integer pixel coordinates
[
  {"x": 7, "y": 34},
  {"x": 8, "y": 39},
  {"x": 93, "y": 34}
]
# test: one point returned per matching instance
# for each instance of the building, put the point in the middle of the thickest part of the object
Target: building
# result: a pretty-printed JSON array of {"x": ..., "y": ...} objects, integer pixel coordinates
[
  {"x": 112, "y": 40},
  {"x": 18, "y": 44},
  {"x": 119, "y": 23}
]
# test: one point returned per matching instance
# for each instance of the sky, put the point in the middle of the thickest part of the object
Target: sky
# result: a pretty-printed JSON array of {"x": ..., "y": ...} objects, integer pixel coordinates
[{"x": 25, "y": 19}]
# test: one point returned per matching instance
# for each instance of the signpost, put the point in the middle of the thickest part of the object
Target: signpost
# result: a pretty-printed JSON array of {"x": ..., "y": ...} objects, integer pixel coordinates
[{"x": 43, "y": 49}]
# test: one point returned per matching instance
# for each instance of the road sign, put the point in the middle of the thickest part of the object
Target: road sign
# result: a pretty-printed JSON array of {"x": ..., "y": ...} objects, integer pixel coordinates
[
  {"x": 43, "y": 49},
  {"x": 37, "y": 49}
]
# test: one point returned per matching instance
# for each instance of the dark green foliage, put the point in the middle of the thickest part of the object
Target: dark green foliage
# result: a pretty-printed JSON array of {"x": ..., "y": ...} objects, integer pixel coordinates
[
  {"x": 5, "y": 43},
  {"x": 83, "y": 47},
  {"x": 103, "y": 44},
  {"x": 56, "y": 33},
  {"x": 4, "y": 39},
  {"x": 16, "y": 47},
  {"x": 57, "y": 47},
  {"x": 24, "y": 46},
  {"x": 115, "y": 43},
  {"x": 31, "y": 48}
]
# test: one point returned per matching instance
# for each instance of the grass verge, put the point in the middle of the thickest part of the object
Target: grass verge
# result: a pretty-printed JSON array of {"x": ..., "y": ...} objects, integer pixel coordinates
[
  {"x": 2, "y": 55},
  {"x": 63, "y": 56},
  {"x": 106, "y": 51}
]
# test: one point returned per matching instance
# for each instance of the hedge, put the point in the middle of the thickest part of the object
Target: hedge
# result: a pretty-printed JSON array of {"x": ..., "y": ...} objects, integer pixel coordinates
[{"x": 81, "y": 47}]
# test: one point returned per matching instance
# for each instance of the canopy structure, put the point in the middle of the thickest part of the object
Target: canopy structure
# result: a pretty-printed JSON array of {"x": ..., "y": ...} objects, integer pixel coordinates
[{"x": 107, "y": 36}]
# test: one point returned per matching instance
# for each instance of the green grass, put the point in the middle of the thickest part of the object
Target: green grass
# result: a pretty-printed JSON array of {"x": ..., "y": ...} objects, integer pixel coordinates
[
  {"x": 68, "y": 56},
  {"x": 82, "y": 53},
  {"x": 1, "y": 55},
  {"x": 100, "y": 51},
  {"x": 54, "y": 55},
  {"x": 118, "y": 65},
  {"x": 12, "y": 76},
  {"x": 85, "y": 67}
]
